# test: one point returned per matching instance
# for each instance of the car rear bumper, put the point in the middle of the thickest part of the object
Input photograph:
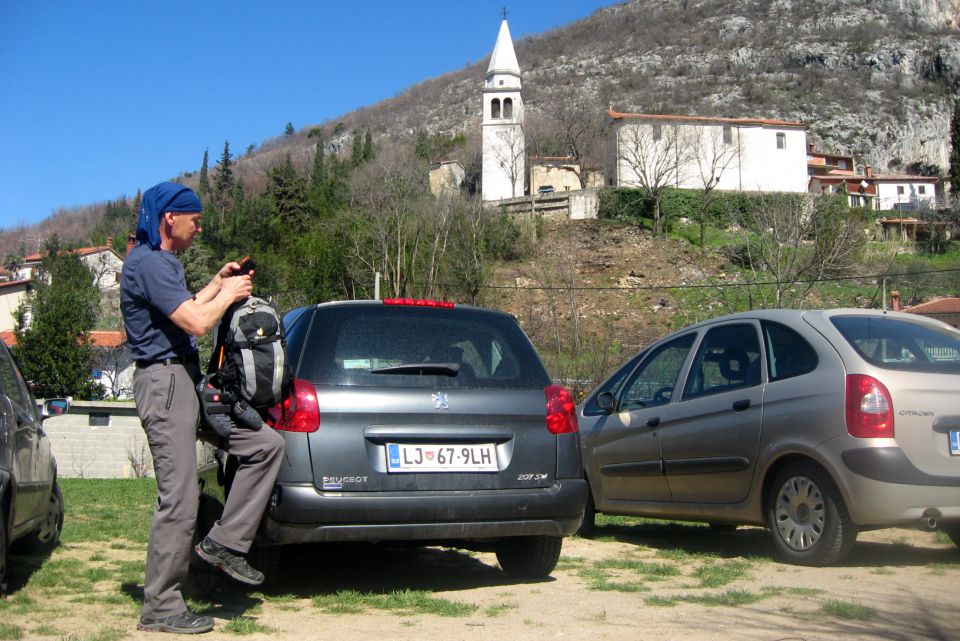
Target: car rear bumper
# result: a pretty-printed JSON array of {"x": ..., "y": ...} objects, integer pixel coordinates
[
  {"x": 885, "y": 488},
  {"x": 302, "y": 514}
]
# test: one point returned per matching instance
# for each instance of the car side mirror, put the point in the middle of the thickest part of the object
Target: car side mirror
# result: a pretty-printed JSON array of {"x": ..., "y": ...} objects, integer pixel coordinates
[
  {"x": 55, "y": 407},
  {"x": 606, "y": 402}
]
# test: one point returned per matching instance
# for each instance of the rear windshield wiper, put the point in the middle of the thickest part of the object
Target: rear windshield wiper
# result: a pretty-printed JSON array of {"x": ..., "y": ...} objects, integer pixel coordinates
[{"x": 421, "y": 369}]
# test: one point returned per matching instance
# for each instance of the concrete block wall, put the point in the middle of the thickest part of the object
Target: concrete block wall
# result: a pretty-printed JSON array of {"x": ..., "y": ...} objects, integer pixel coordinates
[{"x": 99, "y": 439}]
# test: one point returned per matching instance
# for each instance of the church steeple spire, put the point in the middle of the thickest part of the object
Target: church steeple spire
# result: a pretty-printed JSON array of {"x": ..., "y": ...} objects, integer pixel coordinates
[{"x": 504, "y": 58}]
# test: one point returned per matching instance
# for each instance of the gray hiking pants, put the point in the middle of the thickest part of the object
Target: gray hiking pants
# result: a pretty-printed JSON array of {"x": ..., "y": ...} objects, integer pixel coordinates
[{"x": 169, "y": 409}]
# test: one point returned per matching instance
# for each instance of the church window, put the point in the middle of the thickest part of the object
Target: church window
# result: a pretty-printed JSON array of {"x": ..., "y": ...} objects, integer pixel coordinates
[
  {"x": 781, "y": 140},
  {"x": 495, "y": 108},
  {"x": 657, "y": 132},
  {"x": 727, "y": 135},
  {"x": 508, "y": 107}
]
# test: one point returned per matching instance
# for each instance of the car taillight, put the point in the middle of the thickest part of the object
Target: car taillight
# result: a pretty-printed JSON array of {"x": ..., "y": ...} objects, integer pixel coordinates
[
  {"x": 561, "y": 410},
  {"x": 418, "y": 302},
  {"x": 869, "y": 408},
  {"x": 299, "y": 412}
]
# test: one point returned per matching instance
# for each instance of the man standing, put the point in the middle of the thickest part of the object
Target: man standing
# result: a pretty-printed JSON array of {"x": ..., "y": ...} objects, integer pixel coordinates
[{"x": 162, "y": 320}]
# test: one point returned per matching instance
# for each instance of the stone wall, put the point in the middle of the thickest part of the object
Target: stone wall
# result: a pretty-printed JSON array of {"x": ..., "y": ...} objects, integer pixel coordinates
[{"x": 99, "y": 439}]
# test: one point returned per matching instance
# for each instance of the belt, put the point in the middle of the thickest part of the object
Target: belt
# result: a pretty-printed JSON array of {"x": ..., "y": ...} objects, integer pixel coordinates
[{"x": 192, "y": 359}]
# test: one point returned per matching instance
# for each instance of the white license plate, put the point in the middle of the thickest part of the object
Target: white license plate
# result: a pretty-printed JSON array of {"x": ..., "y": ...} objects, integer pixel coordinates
[{"x": 421, "y": 457}]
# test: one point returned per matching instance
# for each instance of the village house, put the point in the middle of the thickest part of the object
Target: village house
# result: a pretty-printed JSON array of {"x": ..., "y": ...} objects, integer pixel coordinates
[
  {"x": 105, "y": 263},
  {"x": 733, "y": 154},
  {"x": 550, "y": 174},
  {"x": 12, "y": 295}
]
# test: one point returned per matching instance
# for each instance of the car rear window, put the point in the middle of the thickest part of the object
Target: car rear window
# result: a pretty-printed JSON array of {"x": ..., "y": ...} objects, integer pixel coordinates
[
  {"x": 384, "y": 346},
  {"x": 894, "y": 343}
]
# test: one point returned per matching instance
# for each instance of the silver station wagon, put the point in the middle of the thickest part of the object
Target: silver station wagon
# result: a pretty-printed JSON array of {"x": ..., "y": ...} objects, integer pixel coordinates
[
  {"x": 423, "y": 421},
  {"x": 815, "y": 424}
]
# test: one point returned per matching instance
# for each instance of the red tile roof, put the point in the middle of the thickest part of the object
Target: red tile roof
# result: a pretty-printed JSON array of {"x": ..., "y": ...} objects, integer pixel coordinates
[
  {"x": 99, "y": 338},
  {"x": 81, "y": 251},
  {"x": 108, "y": 338},
  {"x": 948, "y": 305},
  {"x": 616, "y": 115},
  {"x": 12, "y": 283}
]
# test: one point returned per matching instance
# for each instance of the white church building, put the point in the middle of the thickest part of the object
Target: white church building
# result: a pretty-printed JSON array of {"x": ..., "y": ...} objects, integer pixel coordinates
[
  {"x": 504, "y": 146},
  {"x": 733, "y": 154}
]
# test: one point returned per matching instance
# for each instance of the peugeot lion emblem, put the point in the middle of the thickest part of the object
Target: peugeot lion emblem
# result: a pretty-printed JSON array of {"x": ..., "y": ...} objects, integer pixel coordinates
[{"x": 440, "y": 401}]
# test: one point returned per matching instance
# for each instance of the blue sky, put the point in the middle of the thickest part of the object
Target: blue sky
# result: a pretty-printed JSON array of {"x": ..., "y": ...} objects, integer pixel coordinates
[{"x": 101, "y": 97}]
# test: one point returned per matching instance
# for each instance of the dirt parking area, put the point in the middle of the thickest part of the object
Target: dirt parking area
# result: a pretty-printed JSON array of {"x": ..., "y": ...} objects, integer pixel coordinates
[{"x": 639, "y": 582}]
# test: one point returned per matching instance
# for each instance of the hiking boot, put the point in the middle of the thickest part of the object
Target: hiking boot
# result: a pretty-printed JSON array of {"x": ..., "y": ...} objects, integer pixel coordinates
[
  {"x": 230, "y": 563},
  {"x": 184, "y": 623}
]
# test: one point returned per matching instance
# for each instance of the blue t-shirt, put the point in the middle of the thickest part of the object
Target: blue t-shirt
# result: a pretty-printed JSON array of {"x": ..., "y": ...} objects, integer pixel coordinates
[{"x": 152, "y": 287}]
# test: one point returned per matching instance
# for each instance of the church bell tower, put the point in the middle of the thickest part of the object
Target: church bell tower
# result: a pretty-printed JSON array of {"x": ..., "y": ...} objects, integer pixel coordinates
[{"x": 504, "y": 147}]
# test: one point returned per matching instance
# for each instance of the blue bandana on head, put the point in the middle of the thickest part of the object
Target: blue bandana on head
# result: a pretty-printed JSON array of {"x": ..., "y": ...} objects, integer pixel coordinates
[{"x": 157, "y": 200}]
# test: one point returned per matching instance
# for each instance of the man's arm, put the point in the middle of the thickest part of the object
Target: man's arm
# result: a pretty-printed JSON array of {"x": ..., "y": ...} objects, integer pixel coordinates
[
  {"x": 210, "y": 290},
  {"x": 198, "y": 315}
]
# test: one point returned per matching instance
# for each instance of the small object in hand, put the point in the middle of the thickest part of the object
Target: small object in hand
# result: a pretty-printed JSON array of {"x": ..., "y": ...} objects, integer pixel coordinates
[{"x": 246, "y": 266}]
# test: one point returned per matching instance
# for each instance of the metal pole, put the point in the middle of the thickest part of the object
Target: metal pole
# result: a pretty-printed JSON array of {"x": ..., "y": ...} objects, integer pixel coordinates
[{"x": 376, "y": 287}]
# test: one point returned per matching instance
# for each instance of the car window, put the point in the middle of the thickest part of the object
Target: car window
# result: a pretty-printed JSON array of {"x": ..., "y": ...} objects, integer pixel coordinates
[
  {"x": 728, "y": 359},
  {"x": 358, "y": 345},
  {"x": 14, "y": 386},
  {"x": 652, "y": 383},
  {"x": 788, "y": 353},
  {"x": 895, "y": 343},
  {"x": 611, "y": 385}
]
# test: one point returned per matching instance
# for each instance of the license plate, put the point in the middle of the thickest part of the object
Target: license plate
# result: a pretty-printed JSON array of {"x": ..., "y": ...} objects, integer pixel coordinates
[
  {"x": 477, "y": 457},
  {"x": 954, "y": 443}
]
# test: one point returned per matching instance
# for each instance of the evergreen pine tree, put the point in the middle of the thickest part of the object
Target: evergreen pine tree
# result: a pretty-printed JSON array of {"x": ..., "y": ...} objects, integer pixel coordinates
[
  {"x": 223, "y": 183},
  {"x": 204, "y": 187},
  {"x": 53, "y": 349},
  {"x": 954, "y": 172}
]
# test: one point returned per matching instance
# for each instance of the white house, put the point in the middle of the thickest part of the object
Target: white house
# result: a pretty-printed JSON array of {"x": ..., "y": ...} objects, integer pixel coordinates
[
  {"x": 504, "y": 144},
  {"x": 12, "y": 294},
  {"x": 734, "y": 154},
  {"x": 901, "y": 192},
  {"x": 105, "y": 263}
]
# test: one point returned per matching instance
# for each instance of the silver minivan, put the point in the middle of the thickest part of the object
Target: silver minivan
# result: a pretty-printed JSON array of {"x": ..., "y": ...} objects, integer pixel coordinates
[{"x": 815, "y": 424}]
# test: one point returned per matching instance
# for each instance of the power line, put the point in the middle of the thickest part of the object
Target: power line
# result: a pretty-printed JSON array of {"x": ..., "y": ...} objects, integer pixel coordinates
[{"x": 697, "y": 286}]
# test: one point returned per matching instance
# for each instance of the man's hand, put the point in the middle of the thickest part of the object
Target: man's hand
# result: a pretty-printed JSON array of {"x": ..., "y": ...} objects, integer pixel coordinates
[{"x": 236, "y": 288}]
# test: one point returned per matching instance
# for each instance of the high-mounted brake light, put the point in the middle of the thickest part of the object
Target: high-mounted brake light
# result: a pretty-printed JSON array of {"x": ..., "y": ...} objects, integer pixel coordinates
[
  {"x": 869, "y": 408},
  {"x": 299, "y": 412},
  {"x": 561, "y": 410},
  {"x": 418, "y": 302}
]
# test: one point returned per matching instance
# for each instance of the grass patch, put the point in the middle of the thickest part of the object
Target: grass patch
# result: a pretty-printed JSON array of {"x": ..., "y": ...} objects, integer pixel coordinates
[
  {"x": 651, "y": 571},
  {"x": 45, "y": 631},
  {"x": 62, "y": 575},
  {"x": 729, "y": 598},
  {"x": 570, "y": 562},
  {"x": 846, "y": 610},
  {"x": 715, "y": 575},
  {"x": 246, "y": 625},
  {"x": 499, "y": 609},
  {"x": 661, "y": 601},
  {"x": 108, "y": 509},
  {"x": 399, "y": 602},
  {"x": 10, "y": 631}
]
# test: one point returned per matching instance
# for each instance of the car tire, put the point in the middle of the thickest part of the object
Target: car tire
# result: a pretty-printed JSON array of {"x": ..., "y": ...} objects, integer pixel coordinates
[
  {"x": 588, "y": 527},
  {"x": 202, "y": 578},
  {"x": 269, "y": 560},
  {"x": 3, "y": 548},
  {"x": 953, "y": 531},
  {"x": 47, "y": 537},
  {"x": 529, "y": 557},
  {"x": 807, "y": 517}
]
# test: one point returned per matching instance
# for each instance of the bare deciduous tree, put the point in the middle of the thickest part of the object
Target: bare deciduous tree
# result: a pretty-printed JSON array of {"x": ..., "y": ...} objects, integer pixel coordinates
[
  {"x": 656, "y": 155},
  {"x": 510, "y": 156},
  {"x": 713, "y": 157},
  {"x": 794, "y": 242}
]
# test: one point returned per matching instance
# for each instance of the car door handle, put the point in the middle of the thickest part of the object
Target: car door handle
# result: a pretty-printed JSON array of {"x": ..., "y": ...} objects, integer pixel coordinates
[
  {"x": 739, "y": 406},
  {"x": 653, "y": 422}
]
